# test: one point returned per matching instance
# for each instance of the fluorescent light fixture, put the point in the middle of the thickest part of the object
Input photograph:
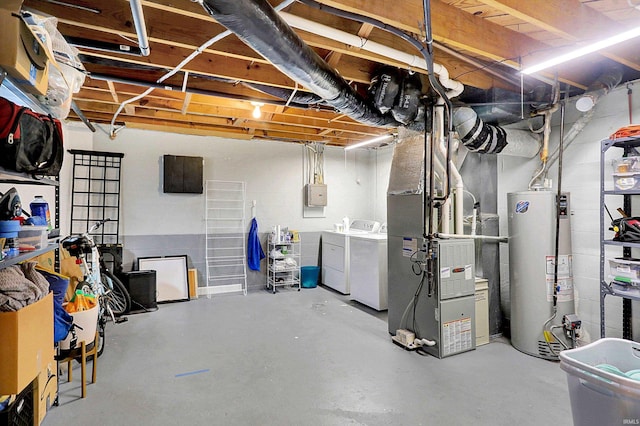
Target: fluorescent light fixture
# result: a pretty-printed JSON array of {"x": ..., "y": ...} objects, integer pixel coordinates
[
  {"x": 602, "y": 44},
  {"x": 369, "y": 142}
]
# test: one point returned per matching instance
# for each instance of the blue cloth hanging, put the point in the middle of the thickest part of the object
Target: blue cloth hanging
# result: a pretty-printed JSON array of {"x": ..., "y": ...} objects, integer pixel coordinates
[{"x": 254, "y": 249}]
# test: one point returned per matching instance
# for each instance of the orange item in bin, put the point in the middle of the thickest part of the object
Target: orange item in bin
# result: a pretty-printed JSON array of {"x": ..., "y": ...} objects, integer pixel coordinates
[{"x": 80, "y": 302}]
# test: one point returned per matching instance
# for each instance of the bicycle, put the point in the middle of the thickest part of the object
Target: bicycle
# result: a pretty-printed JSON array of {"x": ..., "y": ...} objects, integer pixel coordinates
[{"x": 112, "y": 296}]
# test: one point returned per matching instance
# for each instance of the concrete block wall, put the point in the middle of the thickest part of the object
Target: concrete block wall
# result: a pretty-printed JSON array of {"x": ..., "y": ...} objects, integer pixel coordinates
[
  {"x": 155, "y": 224},
  {"x": 581, "y": 178}
]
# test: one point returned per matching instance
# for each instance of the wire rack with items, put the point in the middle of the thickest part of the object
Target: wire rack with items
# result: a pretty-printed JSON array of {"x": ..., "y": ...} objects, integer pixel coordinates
[
  {"x": 283, "y": 260},
  {"x": 619, "y": 264}
]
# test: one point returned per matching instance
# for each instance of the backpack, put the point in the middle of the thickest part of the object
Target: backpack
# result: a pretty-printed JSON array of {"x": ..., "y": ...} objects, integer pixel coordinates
[{"x": 29, "y": 142}]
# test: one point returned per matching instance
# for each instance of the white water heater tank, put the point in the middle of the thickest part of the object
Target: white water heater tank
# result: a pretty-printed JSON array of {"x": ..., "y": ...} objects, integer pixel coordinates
[{"x": 532, "y": 231}]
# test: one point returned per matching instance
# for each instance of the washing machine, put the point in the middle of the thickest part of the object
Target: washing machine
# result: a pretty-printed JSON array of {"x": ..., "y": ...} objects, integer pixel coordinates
[
  {"x": 335, "y": 253},
  {"x": 368, "y": 268}
]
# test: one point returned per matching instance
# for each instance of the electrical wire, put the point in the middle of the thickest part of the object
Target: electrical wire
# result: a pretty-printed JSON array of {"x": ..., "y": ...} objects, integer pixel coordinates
[{"x": 181, "y": 65}]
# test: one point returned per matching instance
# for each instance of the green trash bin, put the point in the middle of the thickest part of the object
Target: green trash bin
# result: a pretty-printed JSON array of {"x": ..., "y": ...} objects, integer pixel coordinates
[{"x": 309, "y": 276}]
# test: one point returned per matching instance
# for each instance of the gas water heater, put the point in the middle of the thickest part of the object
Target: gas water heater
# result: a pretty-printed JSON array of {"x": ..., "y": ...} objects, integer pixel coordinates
[{"x": 535, "y": 330}]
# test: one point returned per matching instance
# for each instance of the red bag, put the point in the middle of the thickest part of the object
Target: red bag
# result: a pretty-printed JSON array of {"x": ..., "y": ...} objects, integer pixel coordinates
[{"x": 29, "y": 142}]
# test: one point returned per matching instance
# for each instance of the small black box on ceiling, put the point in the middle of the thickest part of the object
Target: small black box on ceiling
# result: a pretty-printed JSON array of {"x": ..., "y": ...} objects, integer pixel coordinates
[{"x": 182, "y": 174}]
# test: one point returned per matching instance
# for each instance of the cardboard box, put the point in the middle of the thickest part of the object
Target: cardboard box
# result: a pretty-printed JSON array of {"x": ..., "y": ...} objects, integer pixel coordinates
[
  {"x": 46, "y": 261},
  {"x": 27, "y": 344},
  {"x": 22, "y": 54},
  {"x": 45, "y": 390}
]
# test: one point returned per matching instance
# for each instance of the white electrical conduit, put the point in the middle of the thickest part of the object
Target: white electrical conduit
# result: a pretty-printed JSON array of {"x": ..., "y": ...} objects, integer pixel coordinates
[
  {"x": 181, "y": 65},
  {"x": 413, "y": 61},
  {"x": 141, "y": 28}
]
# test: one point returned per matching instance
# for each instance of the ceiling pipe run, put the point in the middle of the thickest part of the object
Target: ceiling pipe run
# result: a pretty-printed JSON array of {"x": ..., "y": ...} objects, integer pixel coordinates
[
  {"x": 259, "y": 26},
  {"x": 141, "y": 28},
  {"x": 454, "y": 88}
]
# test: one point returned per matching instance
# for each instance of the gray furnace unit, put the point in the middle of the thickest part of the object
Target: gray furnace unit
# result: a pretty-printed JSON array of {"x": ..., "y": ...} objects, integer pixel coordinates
[{"x": 430, "y": 294}]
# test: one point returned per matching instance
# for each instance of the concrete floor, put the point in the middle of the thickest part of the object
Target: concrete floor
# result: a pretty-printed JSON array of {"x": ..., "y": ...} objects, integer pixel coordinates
[{"x": 300, "y": 358}]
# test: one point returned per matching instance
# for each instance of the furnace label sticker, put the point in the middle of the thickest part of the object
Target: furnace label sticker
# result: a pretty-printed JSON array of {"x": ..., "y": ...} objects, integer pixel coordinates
[
  {"x": 409, "y": 246},
  {"x": 456, "y": 336},
  {"x": 522, "y": 206},
  {"x": 468, "y": 274},
  {"x": 445, "y": 272}
]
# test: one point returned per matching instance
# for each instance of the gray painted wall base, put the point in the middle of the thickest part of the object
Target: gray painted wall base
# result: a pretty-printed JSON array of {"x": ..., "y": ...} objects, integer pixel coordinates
[{"x": 193, "y": 245}]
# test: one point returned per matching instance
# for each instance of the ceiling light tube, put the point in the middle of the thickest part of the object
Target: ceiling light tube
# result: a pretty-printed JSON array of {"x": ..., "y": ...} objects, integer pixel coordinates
[
  {"x": 368, "y": 142},
  {"x": 602, "y": 44}
]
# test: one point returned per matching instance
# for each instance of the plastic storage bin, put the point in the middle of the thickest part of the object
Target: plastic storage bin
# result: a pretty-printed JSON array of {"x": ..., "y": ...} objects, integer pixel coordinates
[
  {"x": 625, "y": 268},
  {"x": 626, "y": 165},
  {"x": 309, "y": 276},
  {"x": 33, "y": 235},
  {"x": 626, "y": 181},
  {"x": 599, "y": 397}
]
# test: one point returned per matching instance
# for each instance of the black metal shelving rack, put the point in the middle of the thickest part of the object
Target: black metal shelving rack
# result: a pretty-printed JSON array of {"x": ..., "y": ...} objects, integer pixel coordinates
[
  {"x": 95, "y": 195},
  {"x": 628, "y": 145}
]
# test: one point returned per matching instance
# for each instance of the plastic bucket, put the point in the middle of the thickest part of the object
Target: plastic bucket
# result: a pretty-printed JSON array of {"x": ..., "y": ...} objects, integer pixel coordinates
[
  {"x": 309, "y": 276},
  {"x": 88, "y": 320},
  {"x": 599, "y": 397}
]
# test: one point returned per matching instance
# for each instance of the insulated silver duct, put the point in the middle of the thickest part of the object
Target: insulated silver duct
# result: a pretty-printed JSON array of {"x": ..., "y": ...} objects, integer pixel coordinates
[
  {"x": 259, "y": 26},
  {"x": 478, "y": 136}
]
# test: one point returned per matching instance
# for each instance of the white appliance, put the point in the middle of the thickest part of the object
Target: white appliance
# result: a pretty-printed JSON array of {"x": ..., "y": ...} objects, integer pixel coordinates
[
  {"x": 335, "y": 253},
  {"x": 368, "y": 268}
]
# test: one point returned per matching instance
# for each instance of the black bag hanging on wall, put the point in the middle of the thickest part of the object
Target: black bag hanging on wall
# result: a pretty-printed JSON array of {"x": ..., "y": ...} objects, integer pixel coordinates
[{"x": 29, "y": 142}]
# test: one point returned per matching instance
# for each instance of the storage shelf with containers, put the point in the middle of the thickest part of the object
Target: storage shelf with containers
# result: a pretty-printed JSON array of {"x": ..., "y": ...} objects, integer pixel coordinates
[
  {"x": 283, "y": 261},
  {"x": 619, "y": 270},
  {"x": 27, "y": 364}
]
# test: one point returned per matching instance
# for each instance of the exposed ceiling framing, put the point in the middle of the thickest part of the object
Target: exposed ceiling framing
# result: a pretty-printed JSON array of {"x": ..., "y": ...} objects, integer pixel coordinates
[{"x": 499, "y": 35}]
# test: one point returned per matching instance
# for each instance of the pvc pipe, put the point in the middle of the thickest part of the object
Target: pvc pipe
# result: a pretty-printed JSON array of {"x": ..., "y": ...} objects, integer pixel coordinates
[
  {"x": 474, "y": 237},
  {"x": 413, "y": 61},
  {"x": 458, "y": 204},
  {"x": 141, "y": 28},
  {"x": 446, "y": 217}
]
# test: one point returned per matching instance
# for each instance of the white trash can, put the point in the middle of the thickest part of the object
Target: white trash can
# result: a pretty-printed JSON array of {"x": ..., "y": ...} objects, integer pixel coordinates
[{"x": 600, "y": 397}]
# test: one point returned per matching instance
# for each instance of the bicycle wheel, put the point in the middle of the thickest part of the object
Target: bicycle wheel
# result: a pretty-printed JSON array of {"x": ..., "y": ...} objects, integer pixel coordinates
[
  {"x": 102, "y": 322},
  {"x": 118, "y": 298}
]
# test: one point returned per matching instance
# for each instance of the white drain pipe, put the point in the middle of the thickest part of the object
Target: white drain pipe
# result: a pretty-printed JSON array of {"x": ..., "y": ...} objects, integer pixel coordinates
[{"x": 412, "y": 61}]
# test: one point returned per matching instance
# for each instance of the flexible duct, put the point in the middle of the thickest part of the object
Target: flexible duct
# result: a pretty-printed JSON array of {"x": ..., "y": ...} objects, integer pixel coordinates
[
  {"x": 484, "y": 138},
  {"x": 260, "y": 27},
  {"x": 476, "y": 135}
]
